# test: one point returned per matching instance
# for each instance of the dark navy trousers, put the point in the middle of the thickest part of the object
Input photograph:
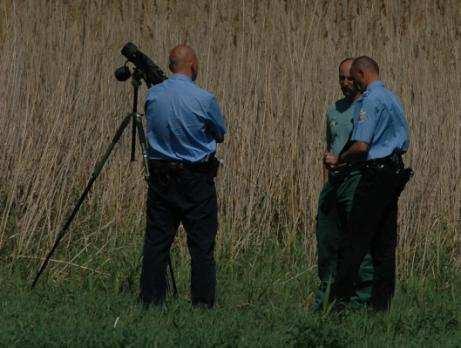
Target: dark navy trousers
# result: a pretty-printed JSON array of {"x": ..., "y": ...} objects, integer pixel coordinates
[{"x": 186, "y": 197}]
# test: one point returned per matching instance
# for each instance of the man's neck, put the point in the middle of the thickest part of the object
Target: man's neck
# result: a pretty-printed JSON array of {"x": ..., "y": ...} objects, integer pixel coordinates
[
  {"x": 353, "y": 98},
  {"x": 372, "y": 79},
  {"x": 184, "y": 72}
]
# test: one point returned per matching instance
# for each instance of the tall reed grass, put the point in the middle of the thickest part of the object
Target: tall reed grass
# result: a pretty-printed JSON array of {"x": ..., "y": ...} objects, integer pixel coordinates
[{"x": 273, "y": 66}]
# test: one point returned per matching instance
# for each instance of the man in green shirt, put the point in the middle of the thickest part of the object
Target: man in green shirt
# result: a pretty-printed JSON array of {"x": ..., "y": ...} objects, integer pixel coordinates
[{"x": 336, "y": 197}]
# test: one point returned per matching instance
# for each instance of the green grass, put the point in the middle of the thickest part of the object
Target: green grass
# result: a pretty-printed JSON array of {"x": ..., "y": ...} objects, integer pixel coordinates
[{"x": 264, "y": 300}]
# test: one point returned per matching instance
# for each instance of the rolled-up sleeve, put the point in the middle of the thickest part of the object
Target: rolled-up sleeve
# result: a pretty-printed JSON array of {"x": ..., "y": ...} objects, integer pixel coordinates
[
  {"x": 365, "y": 121},
  {"x": 215, "y": 121}
]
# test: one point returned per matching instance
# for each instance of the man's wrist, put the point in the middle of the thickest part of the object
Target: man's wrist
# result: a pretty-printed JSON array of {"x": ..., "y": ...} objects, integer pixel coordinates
[{"x": 340, "y": 160}]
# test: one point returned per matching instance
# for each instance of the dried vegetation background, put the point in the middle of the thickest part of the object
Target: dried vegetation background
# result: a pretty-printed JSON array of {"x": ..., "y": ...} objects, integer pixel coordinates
[{"x": 273, "y": 66}]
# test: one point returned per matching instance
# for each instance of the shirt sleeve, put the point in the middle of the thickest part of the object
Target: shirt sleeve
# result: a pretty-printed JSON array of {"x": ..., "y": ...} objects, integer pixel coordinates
[
  {"x": 148, "y": 103},
  {"x": 365, "y": 121},
  {"x": 215, "y": 122}
]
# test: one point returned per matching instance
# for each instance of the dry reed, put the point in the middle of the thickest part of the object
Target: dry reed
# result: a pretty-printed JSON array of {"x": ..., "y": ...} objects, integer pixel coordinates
[{"x": 273, "y": 66}]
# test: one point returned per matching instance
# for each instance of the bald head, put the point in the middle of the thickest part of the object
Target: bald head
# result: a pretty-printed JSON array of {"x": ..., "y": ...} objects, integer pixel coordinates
[
  {"x": 364, "y": 70},
  {"x": 366, "y": 63},
  {"x": 183, "y": 60},
  {"x": 346, "y": 82},
  {"x": 346, "y": 64}
]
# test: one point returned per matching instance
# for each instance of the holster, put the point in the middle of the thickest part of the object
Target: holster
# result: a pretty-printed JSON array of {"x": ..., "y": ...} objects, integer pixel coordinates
[
  {"x": 394, "y": 163},
  {"x": 403, "y": 176},
  {"x": 214, "y": 164}
]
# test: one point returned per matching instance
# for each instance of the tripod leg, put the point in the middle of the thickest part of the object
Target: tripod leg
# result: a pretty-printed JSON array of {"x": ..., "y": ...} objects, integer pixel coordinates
[
  {"x": 96, "y": 171},
  {"x": 133, "y": 140},
  {"x": 143, "y": 144}
]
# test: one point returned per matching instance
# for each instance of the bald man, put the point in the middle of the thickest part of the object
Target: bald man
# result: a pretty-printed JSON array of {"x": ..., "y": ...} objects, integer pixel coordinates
[
  {"x": 184, "y": 125},
  {"x": 379, "y": 138},
  {"x": 336, "y": 197}
]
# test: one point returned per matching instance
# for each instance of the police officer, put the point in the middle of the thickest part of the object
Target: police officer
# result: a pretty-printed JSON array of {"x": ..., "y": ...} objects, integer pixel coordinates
[
  {"x": 336, "y": 197},
  {"x": 184, "y": 124},
  {"x": 380, "y": 137}
]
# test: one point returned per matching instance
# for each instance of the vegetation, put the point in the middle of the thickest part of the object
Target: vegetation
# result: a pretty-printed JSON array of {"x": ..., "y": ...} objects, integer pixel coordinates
[
  {"x": 262, "y": 302},
  {"x": 273, "y": 66}
]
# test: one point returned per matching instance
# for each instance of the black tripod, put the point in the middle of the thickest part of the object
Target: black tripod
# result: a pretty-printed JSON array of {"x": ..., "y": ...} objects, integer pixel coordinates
[{"x": 137, "y": 128}]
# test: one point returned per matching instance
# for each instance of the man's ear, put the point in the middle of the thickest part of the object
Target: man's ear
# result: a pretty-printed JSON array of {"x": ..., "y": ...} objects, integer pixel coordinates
[
  {"x": 194, "y": 70},
  {"x": 171, "y": 65}
]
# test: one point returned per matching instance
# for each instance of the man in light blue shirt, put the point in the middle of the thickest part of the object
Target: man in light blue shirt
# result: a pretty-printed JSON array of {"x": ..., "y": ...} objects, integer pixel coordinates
[
  {"x": 184, "y": 125},
  {"x": 380, "y": 122},
  {"x": 184, "y": 121},
  {"x": 379, "y": 138}
]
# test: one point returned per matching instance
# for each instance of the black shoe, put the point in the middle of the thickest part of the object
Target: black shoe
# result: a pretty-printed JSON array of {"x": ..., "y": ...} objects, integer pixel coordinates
[{"x": 202, "y": 305}]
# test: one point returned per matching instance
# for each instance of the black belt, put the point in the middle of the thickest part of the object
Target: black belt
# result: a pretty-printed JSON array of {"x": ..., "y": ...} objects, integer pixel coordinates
[
  {"x": 176, "y": 167},
  {"x": 394, "y": 160}
]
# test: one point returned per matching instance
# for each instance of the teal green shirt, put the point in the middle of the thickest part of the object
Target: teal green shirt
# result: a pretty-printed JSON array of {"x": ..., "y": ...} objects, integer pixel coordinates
[{"x": 340, "y": 120}]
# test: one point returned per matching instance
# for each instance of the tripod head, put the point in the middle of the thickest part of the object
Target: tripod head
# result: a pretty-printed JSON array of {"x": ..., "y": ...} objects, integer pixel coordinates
[{"x": 124, "y": 73}]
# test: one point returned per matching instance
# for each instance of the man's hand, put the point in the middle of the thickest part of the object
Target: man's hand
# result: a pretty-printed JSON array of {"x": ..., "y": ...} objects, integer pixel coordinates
[
  {"x": 219, "y": 138},
  {"x": 356, "y": 152},
  {"x": 330, "y": 160}
]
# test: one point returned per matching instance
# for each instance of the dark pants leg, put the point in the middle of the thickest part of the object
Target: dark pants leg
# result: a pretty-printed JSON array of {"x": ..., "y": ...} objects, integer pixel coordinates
[
  {"x": 327, "y": 234},
  {"x": 200, "y": 220},
  {"x": 162, "y": 220},
  {"x": 371, "y": 226},
  {"x": 383, "y": 248},
  {"x": 190, "y": 198},
  {"x": 331, "y": 217}
]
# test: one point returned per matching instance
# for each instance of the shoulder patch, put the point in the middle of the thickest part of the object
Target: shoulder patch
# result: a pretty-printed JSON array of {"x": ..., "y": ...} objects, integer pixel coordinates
[{"x": 362, "y": 116}]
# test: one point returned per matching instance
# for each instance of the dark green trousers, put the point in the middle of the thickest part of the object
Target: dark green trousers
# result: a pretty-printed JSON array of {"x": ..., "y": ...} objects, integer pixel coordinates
[{"x": 334, "y": 207}]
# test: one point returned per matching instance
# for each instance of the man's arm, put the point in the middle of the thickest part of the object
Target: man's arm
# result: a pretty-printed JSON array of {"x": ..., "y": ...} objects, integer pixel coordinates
[
  {"x": 327, "y": 149},
  {"x": 356, "y": 152},
  {"x": 215, "y": 123}
]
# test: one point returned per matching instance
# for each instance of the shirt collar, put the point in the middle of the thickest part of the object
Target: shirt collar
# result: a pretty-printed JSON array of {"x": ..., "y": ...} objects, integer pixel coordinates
[
  {"x": 179, "y": 76},
  {"x": 374, "y": 85}
]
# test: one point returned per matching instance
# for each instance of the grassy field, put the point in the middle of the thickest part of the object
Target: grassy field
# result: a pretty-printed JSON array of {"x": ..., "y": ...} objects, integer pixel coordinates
[{"x": 264, "y": 300}]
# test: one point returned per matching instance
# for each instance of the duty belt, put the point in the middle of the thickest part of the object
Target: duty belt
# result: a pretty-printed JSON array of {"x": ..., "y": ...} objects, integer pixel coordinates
[
  {"x": 175, "y": 168},
  {"x": 394, "y": 162}
]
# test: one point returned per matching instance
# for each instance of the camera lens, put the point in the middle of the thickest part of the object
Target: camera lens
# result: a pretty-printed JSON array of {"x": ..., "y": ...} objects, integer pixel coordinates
[{"x": 123, "y": 73}]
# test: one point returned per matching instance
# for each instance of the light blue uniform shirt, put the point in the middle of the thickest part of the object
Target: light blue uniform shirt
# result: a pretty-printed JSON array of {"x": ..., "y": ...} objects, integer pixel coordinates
[
  {"x": 380, "y": 122},
  {"x": 184, "y": 121}
]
